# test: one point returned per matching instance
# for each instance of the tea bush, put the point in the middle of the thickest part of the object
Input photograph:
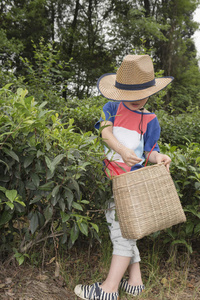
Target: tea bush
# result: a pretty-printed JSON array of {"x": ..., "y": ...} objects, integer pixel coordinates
[
  {"x": 185, "y": 170},
  {"x": 51, "y": 176},
  {"x": 85, "y": 112},
  {"x": 179, "y": 129}
]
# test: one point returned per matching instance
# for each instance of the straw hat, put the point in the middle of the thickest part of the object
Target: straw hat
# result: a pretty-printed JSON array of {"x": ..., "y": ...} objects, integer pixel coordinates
[{"x": 135, "y": 80}]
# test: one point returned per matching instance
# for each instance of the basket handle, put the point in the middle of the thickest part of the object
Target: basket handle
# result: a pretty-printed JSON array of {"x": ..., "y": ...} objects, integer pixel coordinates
[{"x": 149, "y": 154}]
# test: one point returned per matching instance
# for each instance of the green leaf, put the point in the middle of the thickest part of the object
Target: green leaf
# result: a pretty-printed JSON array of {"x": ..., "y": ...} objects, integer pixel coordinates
[
  {"x": 65, "y": 217},
  {"x": 189, "y": 228},
  {"x": 39, "y": 153},
  {"x": 52, "y": 164},
  {"x": 30, "y": 185},
  {"x": 103, "y": 116},
  {"x": 11, "y": 153},
  {"x": 62, "y": 204},
  {"x": 41, "y": 219},
  {"x": 85, "y": 201},
  {"x": 83, "y": 228},
  {"x": 21, "y": 92},
  {"x": 64, "y": 238},
  {"x": 3, "y": 189},
  {"x": 74, "y": 233},
  {"x": 47, "y": 186},
  {"x": 11, "y": 195},
  {"x": 77, "y": 206},
  {"x": 70, "y": 196},
  {"x": 54, "y": 200},
  {"x": 184, "y": 243},
  {"x": 20, "y": 260},
  {"x": 35, "y": 178},
  {"x": 43, "y": 104},
  {"x": 20, "y": 202},
  {"x": 57, "y": 159},
  {"x": 11, "y": 205},
  {"x": 49, "y": 164},
  {"x": 28, "y": 160},
  {"x": 34, "y": 222},
  {"x": 182, "y": 168},
  {"x": 198, "y": 159},
  {"x": 48, "y": 146},
  {"x": 3, "y": 162},
  {"x": 36, "y": 199},
  {"x": 6, "y": 87},
  {"x": 74, "y": 185},
  {"x": 95, "y": 227},
  {"x": 197, "y": 185},
  {"x": 5, "y": 217},
  {"x": 55, "y": 190},
  {"x": 48, "y": 212},
  {"x": 197, "y": 228},
  {"x": 19, "y": 257}
]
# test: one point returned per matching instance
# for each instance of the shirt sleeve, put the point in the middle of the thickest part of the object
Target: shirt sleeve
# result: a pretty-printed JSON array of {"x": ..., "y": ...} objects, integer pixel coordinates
[
  {"x": 152, "y": 135},
  {"x": 108, "y": 113}
]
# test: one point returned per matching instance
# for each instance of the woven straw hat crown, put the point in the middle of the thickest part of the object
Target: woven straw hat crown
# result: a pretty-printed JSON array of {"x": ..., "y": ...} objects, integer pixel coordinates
[
  {"x": 134, "y": 80},
  {"x": 135, "y": 69}
]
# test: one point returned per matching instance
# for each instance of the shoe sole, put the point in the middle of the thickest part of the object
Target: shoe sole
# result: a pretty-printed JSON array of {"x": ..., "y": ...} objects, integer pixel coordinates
[
  {"x": 87, "y": 299},
  {"x": 81, "y": 297},
  {"x": 133, "y": 294}
]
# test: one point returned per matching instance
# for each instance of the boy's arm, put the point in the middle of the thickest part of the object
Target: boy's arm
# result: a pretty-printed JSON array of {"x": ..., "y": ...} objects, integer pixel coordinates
[
  {"x": 128, "y": 155},
  {"x": 157, "y": 158}
]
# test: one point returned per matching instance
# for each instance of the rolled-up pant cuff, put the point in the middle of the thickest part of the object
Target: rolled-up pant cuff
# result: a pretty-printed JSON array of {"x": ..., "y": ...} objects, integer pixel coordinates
[
  {"x": 121, "y": 246},
  {"x": 134, "y": 259}
]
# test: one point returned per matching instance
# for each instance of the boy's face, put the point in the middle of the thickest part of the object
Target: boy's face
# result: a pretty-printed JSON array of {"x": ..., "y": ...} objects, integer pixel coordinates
[{"x": 136, "y": 105}]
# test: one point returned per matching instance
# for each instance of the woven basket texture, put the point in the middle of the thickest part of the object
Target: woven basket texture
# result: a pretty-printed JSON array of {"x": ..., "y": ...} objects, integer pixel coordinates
[{"x": 146, "y": 201}]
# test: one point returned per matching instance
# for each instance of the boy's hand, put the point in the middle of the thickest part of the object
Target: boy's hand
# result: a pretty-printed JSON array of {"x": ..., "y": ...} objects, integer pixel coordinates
[
  {"x": 129, "y": 157},
  {"x": 157, "y": 158},
  {"x": 165, "y": 159}
]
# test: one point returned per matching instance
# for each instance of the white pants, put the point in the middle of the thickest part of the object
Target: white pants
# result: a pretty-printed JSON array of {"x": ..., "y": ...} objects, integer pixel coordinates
[{"x": 121, "y": 246}]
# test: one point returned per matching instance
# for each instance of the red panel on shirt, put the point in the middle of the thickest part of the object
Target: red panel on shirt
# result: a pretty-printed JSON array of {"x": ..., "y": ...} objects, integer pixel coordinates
[{"x": 129, "y": 119}]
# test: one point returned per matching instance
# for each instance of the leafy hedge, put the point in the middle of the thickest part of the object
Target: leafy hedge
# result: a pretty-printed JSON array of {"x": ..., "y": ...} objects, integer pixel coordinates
[
  {"x": 180, "y": 129},
  {"x": 185, "y": 170},
  {"x": 85, "y": 112},
  {"x": 52, "y": 185},
  {"x": 51, "y": 176}
]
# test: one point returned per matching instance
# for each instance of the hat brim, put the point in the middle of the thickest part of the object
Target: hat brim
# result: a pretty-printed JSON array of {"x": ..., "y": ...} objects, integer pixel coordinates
[{"x": 106, "y": 86}]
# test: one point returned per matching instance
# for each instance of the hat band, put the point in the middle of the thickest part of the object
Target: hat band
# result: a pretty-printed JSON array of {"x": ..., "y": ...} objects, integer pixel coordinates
[{"x": 135, "y": 87}]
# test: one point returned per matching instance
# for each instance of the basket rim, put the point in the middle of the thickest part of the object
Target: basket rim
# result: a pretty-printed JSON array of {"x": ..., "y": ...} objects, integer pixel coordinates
[{"x": 139, "y": 170}]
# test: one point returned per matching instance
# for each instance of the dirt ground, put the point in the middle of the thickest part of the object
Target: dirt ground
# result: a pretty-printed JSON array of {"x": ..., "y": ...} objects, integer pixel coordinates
[{"x": 30, "y": 283}]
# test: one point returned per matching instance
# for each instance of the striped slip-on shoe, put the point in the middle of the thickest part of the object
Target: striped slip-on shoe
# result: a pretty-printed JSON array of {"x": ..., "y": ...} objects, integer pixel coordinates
[
  {"x": 94, "y": 292},
  {"x": 131, "y": 289}
]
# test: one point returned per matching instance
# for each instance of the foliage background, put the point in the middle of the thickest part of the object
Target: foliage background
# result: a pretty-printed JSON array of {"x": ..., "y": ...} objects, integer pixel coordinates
[{"x": 52, "y": 185}]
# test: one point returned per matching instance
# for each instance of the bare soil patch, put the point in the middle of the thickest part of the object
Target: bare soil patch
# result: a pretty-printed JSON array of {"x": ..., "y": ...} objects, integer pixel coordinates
[{"x": 31, "y": 283}]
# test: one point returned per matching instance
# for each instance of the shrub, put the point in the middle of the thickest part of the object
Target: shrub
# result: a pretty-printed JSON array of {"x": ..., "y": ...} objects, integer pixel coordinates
[
  {"x": 51, "y": 176},
  {"x": 185, "y": 169},
  {"x": 179, "y": 129},
  {"x": 85, "y": 112}
]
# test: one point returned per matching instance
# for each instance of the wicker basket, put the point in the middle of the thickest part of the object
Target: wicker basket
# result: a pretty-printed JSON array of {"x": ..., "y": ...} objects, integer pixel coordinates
[{"x": 146, "y": 201}]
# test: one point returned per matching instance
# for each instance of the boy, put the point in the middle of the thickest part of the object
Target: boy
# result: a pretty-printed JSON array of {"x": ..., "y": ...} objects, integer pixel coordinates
[{"x": 131, "y": 132}]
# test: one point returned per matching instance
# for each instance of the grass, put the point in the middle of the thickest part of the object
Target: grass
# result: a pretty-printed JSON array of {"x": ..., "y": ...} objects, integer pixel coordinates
[
  {"x": 168, "y": 273},
  {"x": 166, "y": 276}
]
